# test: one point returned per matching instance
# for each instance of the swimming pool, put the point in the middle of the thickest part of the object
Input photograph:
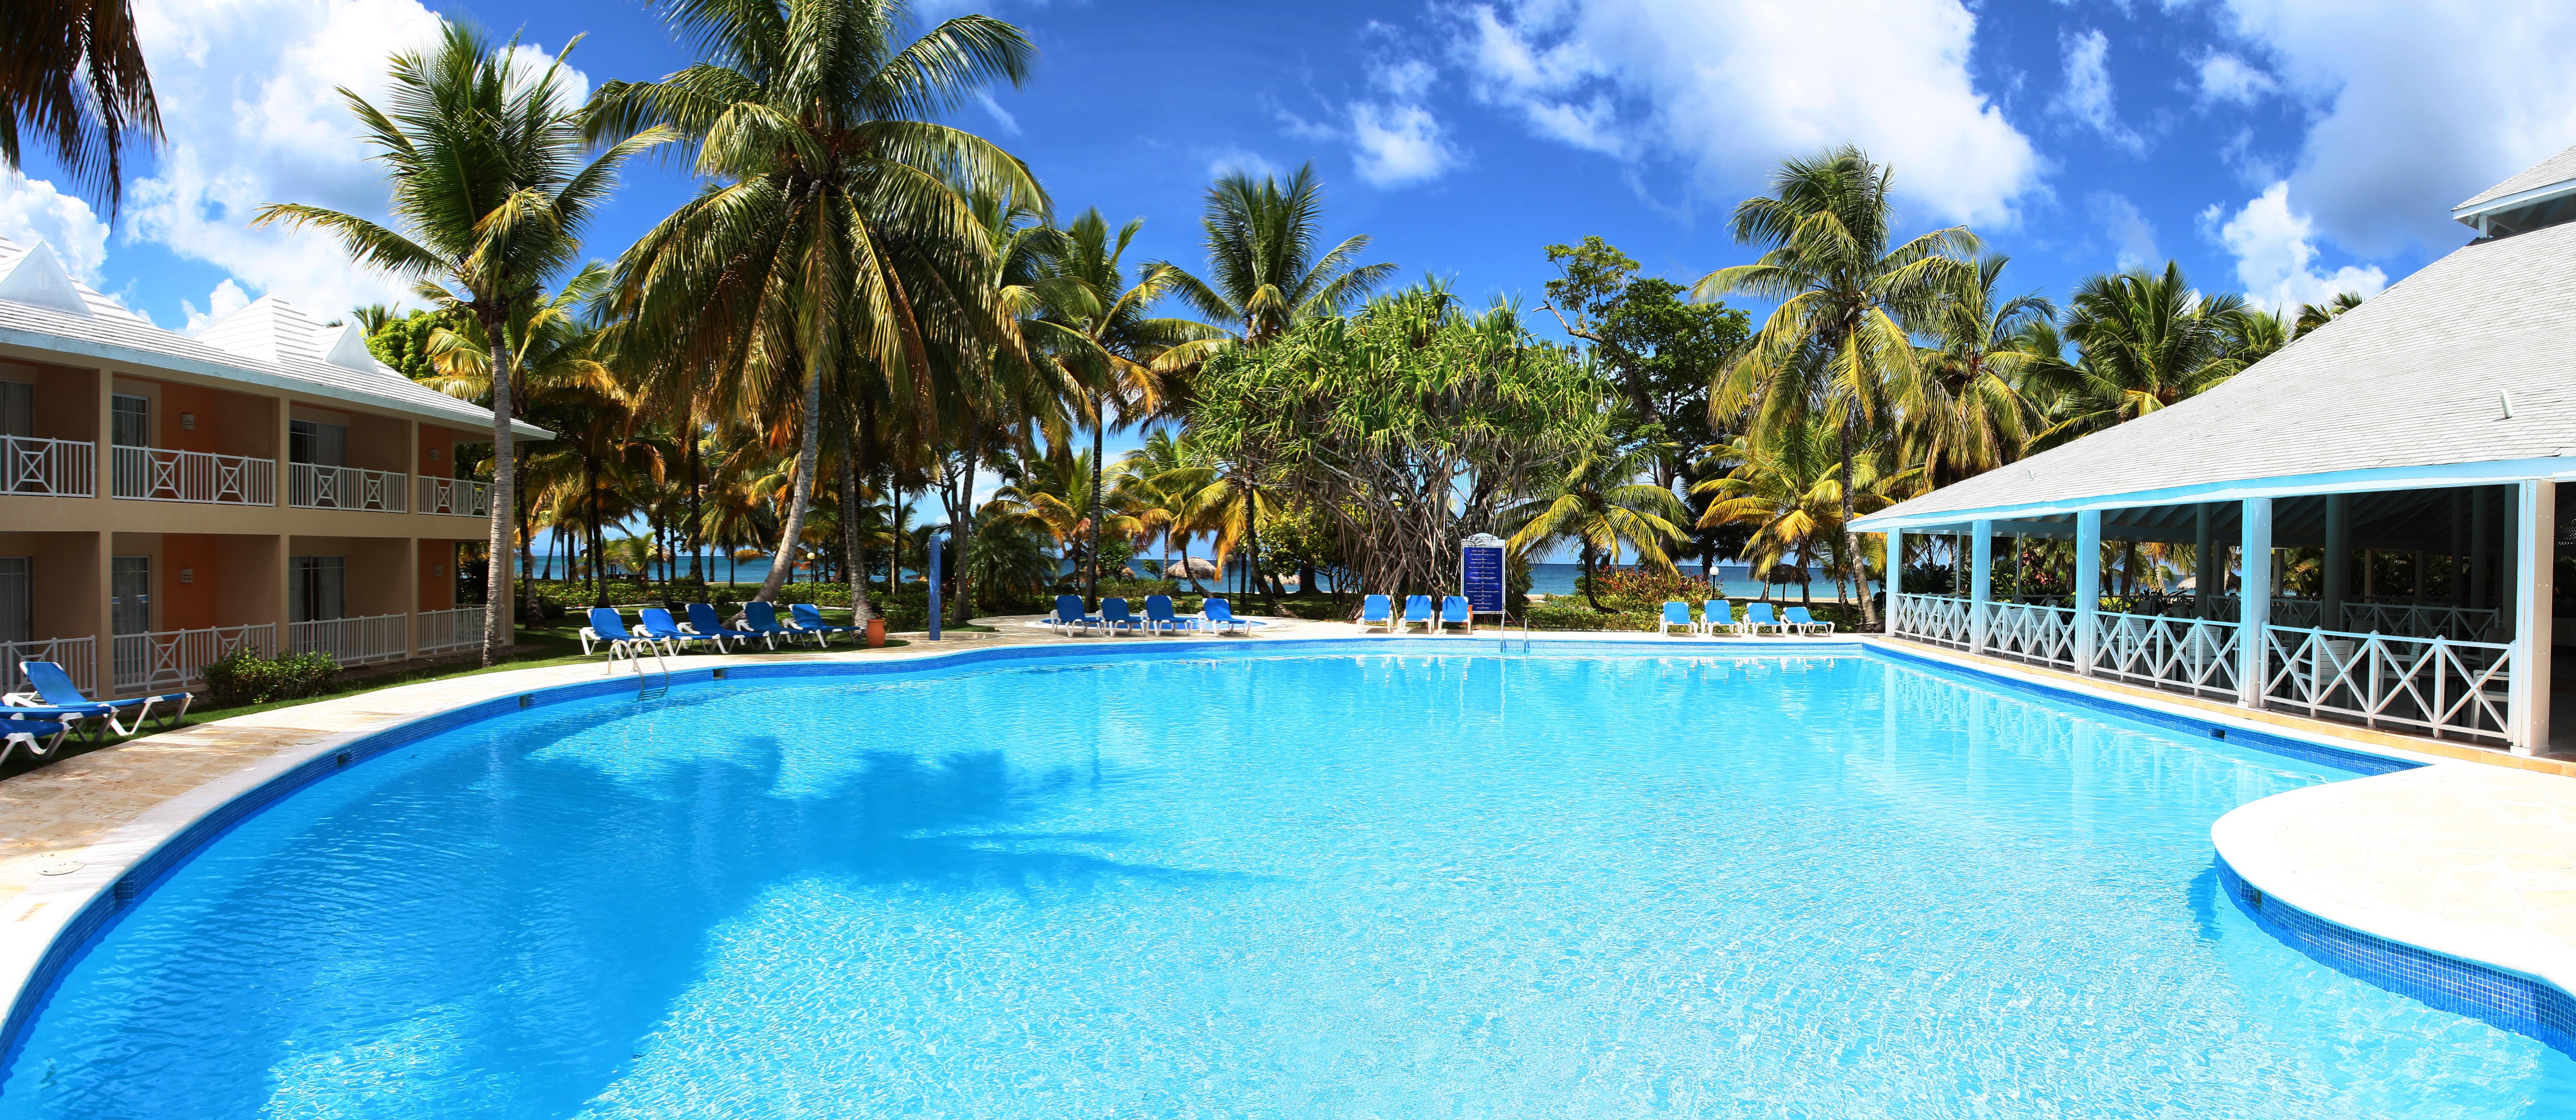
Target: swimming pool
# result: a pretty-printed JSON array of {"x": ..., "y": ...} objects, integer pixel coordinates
[{"x": 1597, "y": 882}]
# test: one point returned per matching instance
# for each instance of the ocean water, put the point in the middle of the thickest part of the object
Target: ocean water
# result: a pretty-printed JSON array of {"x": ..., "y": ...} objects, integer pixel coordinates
[
  {"x": 1545, "y": 579},
  {"x": 1373, "y": 884}
]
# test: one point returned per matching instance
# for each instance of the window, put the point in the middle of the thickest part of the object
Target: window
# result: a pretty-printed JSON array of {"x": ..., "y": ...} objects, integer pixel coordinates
[
  {"x": 317, "y": 588},
  {"x": 311, "y": 441},
  {"x": 17, "y": 600},
  {"x": 129, "y": 589},
  {"x": 133, "y": 421},
  {"x": 17, "y": 409}
]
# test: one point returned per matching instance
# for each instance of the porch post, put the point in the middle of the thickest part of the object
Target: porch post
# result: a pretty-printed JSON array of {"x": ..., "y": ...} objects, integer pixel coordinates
[
  {"x": 2088, "y": 586},
  {"x": 1981, "y": 583},
  {"x": 2481, "y": 546},
  {"x": 2534, "y": 555},
  {"x": 2255, "y": 599},
  {"x": 1895, "y": 566},
  {"x": 2338, "y": 562},
  {"x": 2208, "y": 568}
]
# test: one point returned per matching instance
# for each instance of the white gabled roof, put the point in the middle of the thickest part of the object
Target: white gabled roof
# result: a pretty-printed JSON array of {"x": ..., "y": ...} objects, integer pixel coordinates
[
  {"x": 270, "y": 343},
  {"x": 2416, "y": 377},
  {"x": 2550, "y": 178}
]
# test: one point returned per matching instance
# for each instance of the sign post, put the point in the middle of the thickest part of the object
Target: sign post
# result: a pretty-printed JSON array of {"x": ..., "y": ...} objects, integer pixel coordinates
[
  {"x": 938, "y": 541},
  {"x": 1480, "y": 576}
]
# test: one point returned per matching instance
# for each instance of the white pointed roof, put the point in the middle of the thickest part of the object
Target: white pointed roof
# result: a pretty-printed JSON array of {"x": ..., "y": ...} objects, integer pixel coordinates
[
  {"x": 270, "y": 343},
  {"x": 2550, "y": 178}
]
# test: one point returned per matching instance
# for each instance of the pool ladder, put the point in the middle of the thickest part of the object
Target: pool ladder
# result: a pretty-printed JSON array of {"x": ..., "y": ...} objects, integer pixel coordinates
[
  {"x": 1507, "y": 633},
  {"x": 643, "y": 689}
]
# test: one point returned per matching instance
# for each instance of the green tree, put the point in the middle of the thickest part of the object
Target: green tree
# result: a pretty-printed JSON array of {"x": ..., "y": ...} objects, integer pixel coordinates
[
  {"x": 1967, "y": 411},
  {"x": 1264, "y": 273},
  {"x": 2314, "y": 315},
  {"x": 402, "y": 342},
  {"x": 2146, "y": 341},
  {"x": 72, "y": 77},
  {"x": 1788, "y": 488},
  {"x": 1836, "y": 345},
  {"x": 1597, "y": 503},
  {"x": 484, "y": 157}
]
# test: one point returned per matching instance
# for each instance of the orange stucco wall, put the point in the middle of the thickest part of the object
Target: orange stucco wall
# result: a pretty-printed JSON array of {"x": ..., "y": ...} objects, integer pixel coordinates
[
  {"x": 437, "y": 575},
  {"x": 189, "y": 400},
  {"x": 196, "y": 602}
]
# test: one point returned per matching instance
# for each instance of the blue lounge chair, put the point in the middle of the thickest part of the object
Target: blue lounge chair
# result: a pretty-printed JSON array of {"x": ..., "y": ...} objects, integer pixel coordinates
[
  {"x": 704, "y": 623},
  {"x": 1417, "y": 612},
  {"x": 52, "y": 687},
  {"x": 1715, "y": 616},
  {"x": 1160, "y": 617},
  {"x": 1377, "y": 611},
  {"x": 1757, "y": 618},
  {"x": 609, "y": 631},
  {"x": 808, "y": 618},
  {"x": 1069, "y": 616},
  {"x": 1798, "y": 622},
  {"x": 40, "y": 730},
  {"x": 1117, "y": 618},
  {"x": 762, "y": 619},
  {"x": 658, "y": 627},
  {"x": 1218, "y": 615},
  {"x": 1454, "y": 612},
  {"x": 1676, "y": 613}
]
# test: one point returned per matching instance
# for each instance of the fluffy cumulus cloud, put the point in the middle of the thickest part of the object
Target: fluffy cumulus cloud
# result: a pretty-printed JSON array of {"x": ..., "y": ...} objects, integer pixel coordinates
[
  {"x": 2127, "y": 228},
  {"x": 2276, "y": 252},
  {"x": 32, "y": 210},
  {"x": 2415, "y": 106},
  {"x": 2225, "y": 77},
  {"x": 1729, "y": 87},
  {"x": 248, "y": 92},
  {"x": 2087, "y": 98},
  {"x": 224, "y": 300},
  {"x": 1395, "y": 138}
]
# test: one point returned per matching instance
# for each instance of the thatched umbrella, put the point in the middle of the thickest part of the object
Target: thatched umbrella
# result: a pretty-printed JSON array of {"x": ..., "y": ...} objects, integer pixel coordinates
[{"x": 1195, "y": 567}]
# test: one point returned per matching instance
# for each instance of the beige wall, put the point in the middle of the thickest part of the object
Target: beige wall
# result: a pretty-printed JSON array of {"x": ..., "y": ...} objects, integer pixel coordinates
[
  {"x": 65, "y": 568},
  {"x": 66, "y": 399}
]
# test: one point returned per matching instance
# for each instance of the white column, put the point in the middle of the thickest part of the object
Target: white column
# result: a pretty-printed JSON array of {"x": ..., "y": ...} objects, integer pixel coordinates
[
  {"x": 2209, "y": 567},
  {"x": 2338, "y": 562},
  {"x": 1895, "y": 574},
  {"x": 1981, "y": 582},
  {"x": 2255, "y": 593},
  {"x": 2088, "y": 586},
  {"x": 2534, "y": 555}
]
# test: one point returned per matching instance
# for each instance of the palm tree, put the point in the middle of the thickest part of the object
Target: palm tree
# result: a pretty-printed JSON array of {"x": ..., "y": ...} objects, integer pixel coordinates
[
  {"x": 1789, "y": 488},
  {"x": 488, "y": 183},
  {"x": 1965, "y": 413},
  {"x": 1835, "y": 346},
  {"x": 836, "y": 239},
  {"x": 2145, "y": 342},
  {"x": 1598, "y": 503},
  {"x": 72, "y": 75},
  {"x": 2314, "y": 315}
]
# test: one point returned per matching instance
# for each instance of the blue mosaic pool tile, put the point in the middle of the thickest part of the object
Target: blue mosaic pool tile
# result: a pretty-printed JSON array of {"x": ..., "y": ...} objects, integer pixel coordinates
[{"x": 2515, "y": 1002}]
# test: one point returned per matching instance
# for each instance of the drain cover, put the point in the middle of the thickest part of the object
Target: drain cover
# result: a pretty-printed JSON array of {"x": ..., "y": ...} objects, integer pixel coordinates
[{"x": 59, "y": 867}]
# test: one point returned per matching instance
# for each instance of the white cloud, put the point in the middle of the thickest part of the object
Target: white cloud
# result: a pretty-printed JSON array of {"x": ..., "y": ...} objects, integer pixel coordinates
[
  {"x": 1729, "y": 87},
  {"x": 31, "y": 210},
  {"x": 1407, "y": 80},
  {"x": 2276, "y": 253},
  {"x": 1232, "y": 160},
  {"x": 2415, "y": 106},
  {"x": 2127, "y": 228},
  {"x": 2225, "y": 77},
  {"x": 1000, "y": 115},
  {"x": 248, "y": 94},
  {"x": 1398, "y": 145},
  {"x": 2088, "y": 97},
  {"x": 224, "y": 300}
]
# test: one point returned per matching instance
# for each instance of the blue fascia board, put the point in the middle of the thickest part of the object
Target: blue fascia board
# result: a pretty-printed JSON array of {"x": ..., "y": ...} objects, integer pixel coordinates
[{"x": 2423, "y": 477}]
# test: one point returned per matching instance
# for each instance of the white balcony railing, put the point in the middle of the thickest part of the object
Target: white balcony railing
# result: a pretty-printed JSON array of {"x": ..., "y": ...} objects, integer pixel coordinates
[
  {"x": 1940, "y": 619},
  {"x": 156, "y": 474},
  {"x": 2459, "y": 624},
  {"x": 77, "y": 656},
  {"x": 353, "y": 641},
  {"x": 2032, "y": 633},
  {"x": 2431, "y": 686},
  {"x": 463, "y": 497},
  {"x": 442, "y": 631},
  {"x": 2177, "y": 654},
  {"x": 313, "y": 486},
  {"x": 178, "y": 658},
  {"x": 60, "y": 467}
]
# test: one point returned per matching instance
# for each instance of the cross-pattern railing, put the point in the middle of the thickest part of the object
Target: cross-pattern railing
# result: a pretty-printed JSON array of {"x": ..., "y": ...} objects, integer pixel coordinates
[
  {"x": 60, "y": 467},
  {"x": 2459, "y": 624},
  {"x": 2178, "y": 654},
  {"x": 157, "y": 474},
  {"x": 77, "y": 656},
  {"x": 2032, "y": 633},
  {"x": 313, "y": 486},
  {"x": 1939, "y": 619},
  {"x": 461, "y": 496},
  {"x": 441, "y": 631},
  {"x": 2432, "y": 686},
  {"x": 178, "y": 658},
  {"x": 353, "y": 641}
]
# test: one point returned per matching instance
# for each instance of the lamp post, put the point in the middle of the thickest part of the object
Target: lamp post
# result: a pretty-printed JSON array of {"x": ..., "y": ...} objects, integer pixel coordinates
[{"x": 938, "y": 544}]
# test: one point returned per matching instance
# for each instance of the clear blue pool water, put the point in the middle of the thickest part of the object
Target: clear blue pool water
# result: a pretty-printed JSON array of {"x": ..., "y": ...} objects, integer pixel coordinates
[{"x": 1256, "y": 886}]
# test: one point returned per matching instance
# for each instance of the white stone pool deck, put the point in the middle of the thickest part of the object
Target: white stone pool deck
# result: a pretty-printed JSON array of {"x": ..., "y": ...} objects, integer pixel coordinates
[{"x": 2465, "y": 858}]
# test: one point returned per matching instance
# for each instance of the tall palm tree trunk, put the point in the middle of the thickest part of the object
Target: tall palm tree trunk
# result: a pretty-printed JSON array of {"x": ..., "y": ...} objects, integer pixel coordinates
[
  {"x": 854, "y": 547},
  {"x": 695, "y": 537},
  {"x": 964, "y": 533},
  {"x": 791, "y": 534},
  {"x": 1851, "y": 539},
  {"x": 1091, "y": 585},
  {"x": 505, "y": 477}
]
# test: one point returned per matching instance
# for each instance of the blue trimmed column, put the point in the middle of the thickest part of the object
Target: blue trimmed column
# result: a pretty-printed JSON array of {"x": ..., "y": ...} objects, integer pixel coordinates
[
  {"x": 1895, "y": 575},
  {"x": 2254, "y": 593},
  {"x": 1981, "y": 582},
  {"x": 2535, "y": 556},
  {"x": 2088, "y": 588}
]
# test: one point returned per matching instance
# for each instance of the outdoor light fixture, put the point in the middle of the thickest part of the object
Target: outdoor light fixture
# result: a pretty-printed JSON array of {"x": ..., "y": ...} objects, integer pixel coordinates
[
  {"x": 187, "y": 575},
  {"x": 187, "y": 421},
  {"x": 438, "y": 569},
  {"x": 433, "y": 454}
]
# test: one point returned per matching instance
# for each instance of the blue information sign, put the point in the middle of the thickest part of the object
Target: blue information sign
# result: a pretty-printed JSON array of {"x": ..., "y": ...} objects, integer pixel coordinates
[{"x": 1480, "y": 573}]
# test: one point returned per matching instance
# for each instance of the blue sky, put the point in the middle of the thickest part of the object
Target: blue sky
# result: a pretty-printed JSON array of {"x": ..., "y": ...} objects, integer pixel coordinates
[{"x": 2289, "y": 148}]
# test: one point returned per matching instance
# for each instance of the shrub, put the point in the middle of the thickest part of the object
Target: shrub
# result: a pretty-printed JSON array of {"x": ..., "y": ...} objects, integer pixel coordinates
[
  {"x": 244, "y": 677},
  {"x": 1634, "y": 586}
]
